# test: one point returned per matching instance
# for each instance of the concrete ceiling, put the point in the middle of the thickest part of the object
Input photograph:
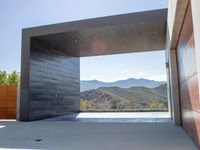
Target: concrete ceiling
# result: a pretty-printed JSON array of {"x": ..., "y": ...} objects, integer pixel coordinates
[{"x": 135, "y": 32}]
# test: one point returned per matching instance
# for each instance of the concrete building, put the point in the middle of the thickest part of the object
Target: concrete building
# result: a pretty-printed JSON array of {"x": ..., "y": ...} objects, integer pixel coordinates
[
  {"x": 50, "y": 56},
  {"x": 50, "y": 68}
]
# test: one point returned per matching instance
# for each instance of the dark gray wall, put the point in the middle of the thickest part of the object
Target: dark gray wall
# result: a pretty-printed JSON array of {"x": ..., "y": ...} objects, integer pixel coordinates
[{"x": 54, "y": 82}]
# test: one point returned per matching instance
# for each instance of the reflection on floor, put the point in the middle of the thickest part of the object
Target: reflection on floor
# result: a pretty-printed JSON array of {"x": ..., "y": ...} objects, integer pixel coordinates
[
  {"x": 116, "y": 117},
  {"x": 72, "y": 135}
]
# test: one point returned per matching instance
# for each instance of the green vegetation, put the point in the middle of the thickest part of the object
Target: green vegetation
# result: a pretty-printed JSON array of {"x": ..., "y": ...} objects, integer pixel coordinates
[
  {"x": 115, "y": 98},
  {"x": 9, "y": 79},
  {"x": 155, "y": 104},
  {"x": 3, "y": 78},
  {"x": 113, "y": 103},
  {"x": 85, "y": 105}
]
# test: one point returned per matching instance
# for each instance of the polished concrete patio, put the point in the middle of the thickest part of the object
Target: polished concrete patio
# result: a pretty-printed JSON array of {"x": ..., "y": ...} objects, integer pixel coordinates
[{"x": 71, "y": 135}]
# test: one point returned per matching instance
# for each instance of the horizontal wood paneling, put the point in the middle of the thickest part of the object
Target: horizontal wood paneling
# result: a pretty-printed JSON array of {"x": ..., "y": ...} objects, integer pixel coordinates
[{"x": 8, "y": 99}]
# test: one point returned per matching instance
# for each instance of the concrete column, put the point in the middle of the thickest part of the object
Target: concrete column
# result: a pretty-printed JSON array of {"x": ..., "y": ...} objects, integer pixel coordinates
[
  {"x": 174, "y": 87},
  {"x": 23, "y": 104},
  {"x": 196, "y": 24},
  {"x": 168, "y": 82}
]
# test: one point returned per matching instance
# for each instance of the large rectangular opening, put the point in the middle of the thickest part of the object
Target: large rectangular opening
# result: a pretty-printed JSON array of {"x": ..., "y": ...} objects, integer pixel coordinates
[{"x": 131, "y": 82}]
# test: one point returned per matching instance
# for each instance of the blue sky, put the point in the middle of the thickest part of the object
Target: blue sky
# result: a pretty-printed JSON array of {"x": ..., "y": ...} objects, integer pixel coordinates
[
  {"x": 18, "y": 14},
  {"x": 148, "y": 65}
]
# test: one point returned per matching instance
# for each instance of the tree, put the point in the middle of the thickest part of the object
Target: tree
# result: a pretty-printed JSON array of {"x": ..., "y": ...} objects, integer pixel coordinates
[
  {"x": 3, "y": 78},
  {"x": 87, "y": 105},
  {"x": 113, "y": 104},
  {"x": 131, "y": 105},
  {"x": 9, "y": 79},
  {"x": 13, "y": 78},
  {"x": 82, "y": 104}
]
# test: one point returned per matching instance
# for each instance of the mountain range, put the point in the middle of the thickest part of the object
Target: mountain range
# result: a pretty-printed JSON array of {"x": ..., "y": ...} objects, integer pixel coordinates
[
  {"x": 138, "y": 97},
  {"x": 131, "y": 82}
]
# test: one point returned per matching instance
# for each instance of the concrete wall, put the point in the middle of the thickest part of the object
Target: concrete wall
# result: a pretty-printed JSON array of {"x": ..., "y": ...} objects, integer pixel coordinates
[
  {"x": 54, "y": 82},
  {"x": 176, "y": 13},
  {"x": 173, "y": 90}
]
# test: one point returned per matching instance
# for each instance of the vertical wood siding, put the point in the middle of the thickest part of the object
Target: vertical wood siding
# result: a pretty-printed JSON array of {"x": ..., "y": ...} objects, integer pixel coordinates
[{"x": 8, "y": 98}]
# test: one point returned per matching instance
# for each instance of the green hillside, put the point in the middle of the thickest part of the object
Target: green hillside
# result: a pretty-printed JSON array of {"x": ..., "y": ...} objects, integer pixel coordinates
[{"x": 115, "y": 98}]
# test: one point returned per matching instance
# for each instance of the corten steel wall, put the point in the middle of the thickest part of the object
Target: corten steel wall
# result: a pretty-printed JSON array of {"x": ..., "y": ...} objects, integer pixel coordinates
[
  {"x": 8, "y": 98},
  {"x": 54, "y": 82},
  {"x": 188, "y": 79}
]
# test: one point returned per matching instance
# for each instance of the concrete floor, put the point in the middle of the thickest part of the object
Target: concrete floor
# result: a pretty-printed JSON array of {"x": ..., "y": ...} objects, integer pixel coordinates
[{"x": 70, "y": 135}]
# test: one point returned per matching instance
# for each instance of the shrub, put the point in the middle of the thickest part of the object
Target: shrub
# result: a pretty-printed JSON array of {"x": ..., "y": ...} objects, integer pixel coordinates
[
  {"x": 9, "y": 79},
  {"x": 3, "y": 78},
  {"x": 156, "y": 104}
]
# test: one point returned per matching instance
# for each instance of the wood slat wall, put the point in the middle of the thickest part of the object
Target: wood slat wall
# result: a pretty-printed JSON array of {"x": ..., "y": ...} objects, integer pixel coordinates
[
  {"x": 188, "y": 79},
  {"x": 8, "y": 98}
]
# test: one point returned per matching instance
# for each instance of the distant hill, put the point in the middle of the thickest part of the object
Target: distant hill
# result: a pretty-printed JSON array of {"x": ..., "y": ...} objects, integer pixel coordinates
[
  {"x": 126, "y": 98},
  {"x": 132, "y": 82}
]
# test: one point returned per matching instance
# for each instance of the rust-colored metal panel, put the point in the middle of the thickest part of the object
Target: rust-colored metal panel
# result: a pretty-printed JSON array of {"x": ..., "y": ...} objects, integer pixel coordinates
[
  {"x": 187, "y": 60},
  {"x": 184, "y": 95},
  {"x": 186, "y": 32},
  {"x": 194, "y": 93},
  {"x": 185, "y": 47},
  {"x": 196, "y": 128},
  {"x": 8, "y": 98},
  {"x": 187, "y": 120},
  {"x": 188, "y": 80},
  {"x": 191, "y": 124},
  {"x": 190, "y": 58},
  {"x": 189, "y": 94}
]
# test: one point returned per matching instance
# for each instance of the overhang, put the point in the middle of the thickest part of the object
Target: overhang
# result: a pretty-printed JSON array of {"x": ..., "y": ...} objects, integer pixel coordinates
[{"x": 134, "y": 32}]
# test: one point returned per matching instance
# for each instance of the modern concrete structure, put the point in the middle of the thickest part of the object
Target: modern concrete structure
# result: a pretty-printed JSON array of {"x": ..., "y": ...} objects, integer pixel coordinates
[
  {"x": 50, "y": 69},
  {"x": 50, "y": 59}
]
